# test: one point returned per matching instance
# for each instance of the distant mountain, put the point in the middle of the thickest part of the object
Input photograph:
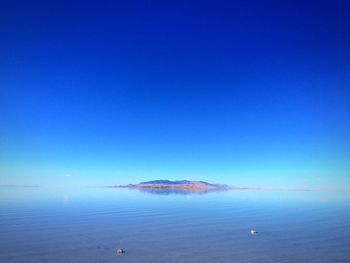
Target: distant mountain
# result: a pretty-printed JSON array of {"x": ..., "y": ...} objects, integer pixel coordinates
[
  {"x": 181, "y": 184},
  {"x": 175, "y": 187},
  {"x": 167, "y": 182}
]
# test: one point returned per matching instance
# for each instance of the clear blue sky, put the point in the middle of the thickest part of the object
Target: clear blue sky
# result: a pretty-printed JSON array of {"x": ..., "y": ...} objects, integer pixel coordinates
[{"x": 251, "y": 93}]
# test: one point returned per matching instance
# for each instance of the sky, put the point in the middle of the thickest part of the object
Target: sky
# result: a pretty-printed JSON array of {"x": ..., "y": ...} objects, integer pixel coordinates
[{"x": 248, "y": 93}]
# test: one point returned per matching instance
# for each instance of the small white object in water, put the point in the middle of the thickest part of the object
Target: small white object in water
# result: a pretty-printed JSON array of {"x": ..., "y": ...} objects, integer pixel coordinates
[
  {"x": 120, "y": 251},
  {"x": 253, "y": 232}
]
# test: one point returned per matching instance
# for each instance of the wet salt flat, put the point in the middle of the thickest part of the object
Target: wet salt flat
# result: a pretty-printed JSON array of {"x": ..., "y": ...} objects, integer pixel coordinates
[{"x": 88, "y": 225}]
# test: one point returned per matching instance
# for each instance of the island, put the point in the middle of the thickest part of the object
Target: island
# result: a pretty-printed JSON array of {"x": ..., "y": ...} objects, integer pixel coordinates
[{"x": 176, "y": 187}]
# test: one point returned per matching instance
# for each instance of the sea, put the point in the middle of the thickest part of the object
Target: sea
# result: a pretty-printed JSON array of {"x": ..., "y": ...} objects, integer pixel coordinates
[{"x": 42, "y": 224}]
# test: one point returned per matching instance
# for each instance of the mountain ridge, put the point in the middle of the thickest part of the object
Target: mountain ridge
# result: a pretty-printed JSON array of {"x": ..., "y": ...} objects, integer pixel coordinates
[{"x": 179, "y": 184}]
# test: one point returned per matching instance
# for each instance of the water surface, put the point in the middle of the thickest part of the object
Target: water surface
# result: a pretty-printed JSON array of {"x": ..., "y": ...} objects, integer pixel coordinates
[{"x": 88, "y": 224}]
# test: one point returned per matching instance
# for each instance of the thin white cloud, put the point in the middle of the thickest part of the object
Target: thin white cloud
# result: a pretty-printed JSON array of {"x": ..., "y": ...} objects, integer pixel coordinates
[{"x": 67, "y": 175}]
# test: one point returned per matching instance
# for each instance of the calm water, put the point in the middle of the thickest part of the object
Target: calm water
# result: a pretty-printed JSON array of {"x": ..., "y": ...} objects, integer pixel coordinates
[{"x": 87, "y": 225}]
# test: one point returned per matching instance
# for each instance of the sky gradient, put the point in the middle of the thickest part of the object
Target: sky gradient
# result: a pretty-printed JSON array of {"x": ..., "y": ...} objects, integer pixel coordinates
[{"x": 249, "y": 93}]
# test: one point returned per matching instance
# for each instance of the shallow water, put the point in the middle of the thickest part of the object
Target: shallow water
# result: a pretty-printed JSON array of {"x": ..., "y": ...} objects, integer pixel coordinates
[{"x": 87, "y": 225}]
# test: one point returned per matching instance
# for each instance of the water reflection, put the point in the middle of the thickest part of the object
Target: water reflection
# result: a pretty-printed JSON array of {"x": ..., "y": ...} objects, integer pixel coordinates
[
  {"x": 88, "y": 224},
  {"x": 176, "y": 191}
]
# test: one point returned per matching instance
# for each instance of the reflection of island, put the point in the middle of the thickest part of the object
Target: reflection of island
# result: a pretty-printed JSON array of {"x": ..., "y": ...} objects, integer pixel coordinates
[
  {"x": 166, "y": 187},
  {"x": 175, "y": 187}
]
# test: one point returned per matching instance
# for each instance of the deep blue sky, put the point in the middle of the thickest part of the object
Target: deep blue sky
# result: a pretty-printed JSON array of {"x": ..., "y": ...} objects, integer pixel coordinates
[{"x": 252, "y": 93}]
